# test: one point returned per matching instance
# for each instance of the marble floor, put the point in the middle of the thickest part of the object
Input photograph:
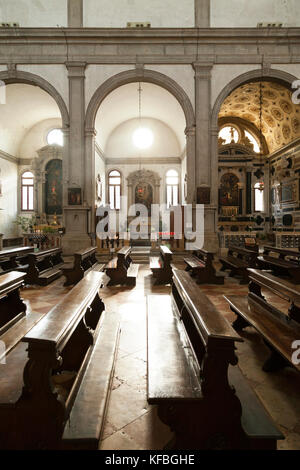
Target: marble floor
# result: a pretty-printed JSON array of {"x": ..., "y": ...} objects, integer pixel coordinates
[{"x": 133, "y": 424}]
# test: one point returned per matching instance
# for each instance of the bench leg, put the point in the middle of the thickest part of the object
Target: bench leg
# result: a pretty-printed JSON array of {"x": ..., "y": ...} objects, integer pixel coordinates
[
  {"x": 239, "y": 323},
  {"x": 275, "y": 362},
  {"x": 222, "y": 429}
]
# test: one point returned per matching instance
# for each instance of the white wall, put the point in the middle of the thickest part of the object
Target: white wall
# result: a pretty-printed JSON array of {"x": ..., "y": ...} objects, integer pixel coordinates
[
  {"x": 116, "y": 13},
  {"x": 120, "y": 144},
  {"x": 9, "y": 198},
  {"x": 182, "y": 74},
  {"x": 34, "y": 13},
  {"x": 55, "y": 74},
  {"x": 36, "y": 138},
  {"x": 244, "y": 13}
]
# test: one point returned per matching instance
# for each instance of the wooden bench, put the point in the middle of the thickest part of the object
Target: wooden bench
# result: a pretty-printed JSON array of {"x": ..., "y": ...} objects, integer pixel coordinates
[
  {"x": 284, "y": 263},
  {"x": 161, "y": 266},
  {"x": 15, "y": 259},
  {"x": 44, "y": 266},
  {"x": 238, "y": 260},
  {"x": 200, "y": 265},
  {"x": 84, "y": 261},
  {"x": 15, "y": 321},
  {"x": 62, "y": 401},
  {"x": 278, "y": 329},
  {"x": 193, "y": 375},
  {"x": 120, "y": 269}
]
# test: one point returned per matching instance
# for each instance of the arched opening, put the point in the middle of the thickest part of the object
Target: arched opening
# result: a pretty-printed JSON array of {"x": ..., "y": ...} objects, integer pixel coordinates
[
  {"x": 258, "y": 133},
  {"x": 31, "y": 110},
  {"x": 146, "y": 134}
]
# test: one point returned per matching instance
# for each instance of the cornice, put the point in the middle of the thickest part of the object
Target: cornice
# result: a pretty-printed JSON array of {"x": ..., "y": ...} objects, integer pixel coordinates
[
  {"x": 9, "y": 157},
  {"x": 143, "y": 161},
  {"x": 269, "y": 34}
]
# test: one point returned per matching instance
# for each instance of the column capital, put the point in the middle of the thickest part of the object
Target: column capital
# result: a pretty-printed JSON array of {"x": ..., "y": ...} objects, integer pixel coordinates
[
  {"x": 190, "y": 131},
  {"x": 76, "y": 69},
  {"x": 203, "y": 69},
  {"x": 90, "y": 132},
  {"x": 202, "y": 13}
]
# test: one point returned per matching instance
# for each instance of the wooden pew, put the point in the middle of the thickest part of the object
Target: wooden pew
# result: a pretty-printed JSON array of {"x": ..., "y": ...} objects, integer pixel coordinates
[
  {"x": 61, "y": 402},
  {"x": 238, "y": 260},
  {"x": 193, "y": 375},
  {"x": 278, "y": 329},
  {"x": 15, "y": 259},
  {"x": 200, "y": 265},
  {"x": 161, "y": 266},
  {"x": 44, "y": 266},
  {"x": 84, "y": 261},
  {"x": 15, "y": 321},
  {"x": 120, "y": 269},
  {"x": 284, "y": 263}
]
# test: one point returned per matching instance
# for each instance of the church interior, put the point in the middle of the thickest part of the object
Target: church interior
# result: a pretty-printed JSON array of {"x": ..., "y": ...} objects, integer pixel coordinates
[{"x": 113, "y": 341}]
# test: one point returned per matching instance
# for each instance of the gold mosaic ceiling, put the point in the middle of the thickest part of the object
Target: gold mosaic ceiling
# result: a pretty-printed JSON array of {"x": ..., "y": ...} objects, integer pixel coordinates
[{"x": 280, "y": 117}]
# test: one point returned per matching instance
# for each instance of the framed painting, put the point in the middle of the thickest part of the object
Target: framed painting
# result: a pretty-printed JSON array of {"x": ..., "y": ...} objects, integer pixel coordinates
[{"x": 74, "y": 196}]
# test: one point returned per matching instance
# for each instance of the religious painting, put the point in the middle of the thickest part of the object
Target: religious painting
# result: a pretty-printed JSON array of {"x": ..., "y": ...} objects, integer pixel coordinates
[
  {"x": 144, "y": 195},
  {"x": 203, "y": 195},
  {"x": 229, "y": 190},
  {"x": 53, "y": 187},
  {"x": 74, "y": 196}
]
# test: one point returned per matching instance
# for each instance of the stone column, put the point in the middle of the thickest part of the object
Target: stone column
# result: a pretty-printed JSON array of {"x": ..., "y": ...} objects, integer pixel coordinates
[
  {"x": 206, "y": 161},
  {"x": 76, "y": 213},
  {"x": 90, "y": 176},
  {"x": 190, "y": 133},
  {"x": 202, "y": 13},
  {"x": 75, "y": 14}
]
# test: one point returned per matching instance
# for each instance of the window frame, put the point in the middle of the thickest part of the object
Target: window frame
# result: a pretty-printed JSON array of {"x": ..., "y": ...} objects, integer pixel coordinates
[
  {"x": 114, "y": 186},
  {"x": 54, "y": 129},
  {"x": 256, "y": 188},
  {"x": 172, "y": 188},
  {"x": 27, "y": 191}
]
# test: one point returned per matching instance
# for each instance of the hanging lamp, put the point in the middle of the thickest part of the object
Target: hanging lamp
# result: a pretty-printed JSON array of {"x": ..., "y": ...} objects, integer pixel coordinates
[{"x": 259, "y": 173}]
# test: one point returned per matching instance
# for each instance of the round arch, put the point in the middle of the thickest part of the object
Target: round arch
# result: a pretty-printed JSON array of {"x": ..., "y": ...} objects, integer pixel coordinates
[
  {"x": 270, "y": 74},
  {"x": 18, "y": 76},
  {"x": 137, "y": 75}
]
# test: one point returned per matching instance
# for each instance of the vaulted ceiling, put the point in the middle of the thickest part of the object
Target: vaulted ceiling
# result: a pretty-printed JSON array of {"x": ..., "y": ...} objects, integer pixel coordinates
[
  {"x": 25, "y": 106},
  {"x": 280, "y": 117},
  {"x": 122, "y": 105}
]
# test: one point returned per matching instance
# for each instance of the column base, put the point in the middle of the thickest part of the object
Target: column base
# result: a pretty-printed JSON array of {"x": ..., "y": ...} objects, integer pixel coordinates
[
  {"x": 211, "y": 242},
  {"x": 71, "y": 244}
]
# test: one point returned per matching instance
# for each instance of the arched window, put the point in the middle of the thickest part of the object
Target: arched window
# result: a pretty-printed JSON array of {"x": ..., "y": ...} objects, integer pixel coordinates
[
  {"x": 55, "y": 137},
  {"x": 258, "y": 198},
  {"x": 114, "y": 189},
  {"x": 172, "y": 181},
  {"x": 27, "y": 183},
  {"x": 229, "y": 135}
]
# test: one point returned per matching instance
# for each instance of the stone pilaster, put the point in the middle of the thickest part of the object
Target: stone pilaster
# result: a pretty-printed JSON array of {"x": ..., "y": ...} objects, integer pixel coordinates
[
  {"x": 206, "y": 168},
  {"x": 203, "y": 109},
  {"x": 75, "y": 13},
  {"x": 77, "y": 216},
  {"x": 202, "y": 13},
  {"x": 190, "y": 133}
]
